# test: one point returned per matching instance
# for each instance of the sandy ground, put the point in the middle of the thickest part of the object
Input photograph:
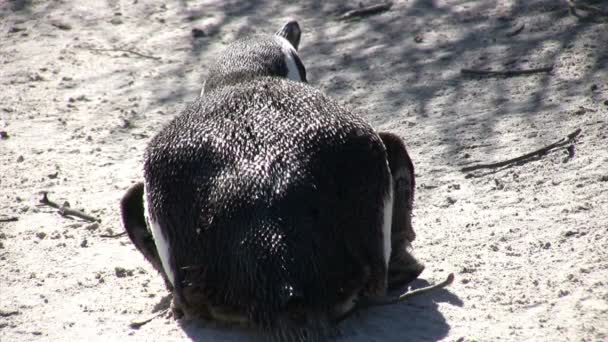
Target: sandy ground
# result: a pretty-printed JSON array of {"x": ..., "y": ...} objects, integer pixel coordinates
[{"x": 84, "y": 86}]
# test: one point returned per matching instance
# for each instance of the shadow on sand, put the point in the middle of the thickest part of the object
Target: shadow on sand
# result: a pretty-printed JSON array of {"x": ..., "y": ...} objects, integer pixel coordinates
[{"x": 419, "y": 319}]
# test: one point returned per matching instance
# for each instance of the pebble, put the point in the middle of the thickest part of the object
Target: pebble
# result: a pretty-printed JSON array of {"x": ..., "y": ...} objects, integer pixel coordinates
[
  {"x": 16, "y": 29},
  {"x": 122, "y": 272},
  {"x": 92, "y": 226},
  {"x": 198, "y": 33}
]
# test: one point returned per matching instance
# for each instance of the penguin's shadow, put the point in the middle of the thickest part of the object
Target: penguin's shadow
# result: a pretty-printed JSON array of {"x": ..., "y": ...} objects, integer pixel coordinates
[{"x": 417, "y": 319}]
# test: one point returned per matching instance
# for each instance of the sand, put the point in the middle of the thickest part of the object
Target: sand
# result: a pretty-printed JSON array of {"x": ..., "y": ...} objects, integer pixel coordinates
[{"x": 85, "y": 85}]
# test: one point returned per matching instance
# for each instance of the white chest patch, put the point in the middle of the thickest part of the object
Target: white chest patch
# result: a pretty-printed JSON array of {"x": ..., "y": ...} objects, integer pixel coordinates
[
  {"x": 293, "y": 73},
  {"x": 388, "y": 223},
  {"x": 162, "y": 245}
]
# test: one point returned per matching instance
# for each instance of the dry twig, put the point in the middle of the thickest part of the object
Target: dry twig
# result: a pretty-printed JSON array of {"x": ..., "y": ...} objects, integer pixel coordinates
[
  {"x": 365, "y": 11},
  {"x": 131, "y": 51},
  {"x": 369, "y": 302},
  {"x": 539, "y": 152},
  {"x": 594, "y": 11},
  {"x": 65, "y": 210},
  {"x": 516, "y": 31},
  {"x": 506, "y": 73},
  {"x": 113, "y": 235},
  {"x": 9, "y": 219},
  {"x": 136, "y": 324}
]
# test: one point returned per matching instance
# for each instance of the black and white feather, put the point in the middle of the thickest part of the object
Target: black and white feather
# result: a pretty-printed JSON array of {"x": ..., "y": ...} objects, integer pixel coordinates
[{"x": 267, "y": 201}]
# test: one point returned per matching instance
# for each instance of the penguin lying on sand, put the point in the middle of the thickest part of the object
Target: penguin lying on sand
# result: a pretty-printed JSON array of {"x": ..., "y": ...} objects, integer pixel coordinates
[{"x": 269, "y": 204}]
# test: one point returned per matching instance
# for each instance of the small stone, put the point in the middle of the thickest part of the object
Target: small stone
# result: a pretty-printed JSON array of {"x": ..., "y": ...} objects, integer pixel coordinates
[
  {"x": 36, "y": 77},
  {"x": 20, "y": 159},
  {"x": 124, "y": 123},
  {"x": 563, "y": 293},
  {"x": 465, "y": 281},
  {"x": 84, "y": 243},
  {"x": 570, "y": 233},
  {"x": 116, "y": 21},
  {"x": 92, "y": 226},
  {"x": 198, "y": 33},
  {"x": 593, "y": 87},
  {"x": 41, "y": 235},
  {"x": 418, "y": 39},
  {"x": 604, "y": 178},
  {"x": 15, "y": 29},
  {"x": 3, "y": 135},
  {"x": 122, "y": 272},
  {"x": 547, "y": 245}
]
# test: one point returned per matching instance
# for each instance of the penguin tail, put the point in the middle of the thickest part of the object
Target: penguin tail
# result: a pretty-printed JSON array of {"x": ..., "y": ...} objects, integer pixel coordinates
[{"x": 134, "y": 222}]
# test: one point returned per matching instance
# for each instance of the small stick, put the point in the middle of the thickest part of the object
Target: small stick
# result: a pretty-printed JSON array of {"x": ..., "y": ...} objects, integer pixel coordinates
[
  {"x": 131, "y": 51},
  {"x": 573, "y": 6},
  {"x": 516, "y": 31},
  {"x": 65, "y": 210},
  {"x": 370, "y": 302},
  {"x": 9, "y": 219},
  {"x": 540, "y": 151},
  {"x": 365, "y": 11},
  {"x": 7, "y": 313},
  {"x": 410, "y": 294},
  {"x": 506, "y": 73},
  {"x": 136, "y": 324},
  {"x": 112, "y": 235}
]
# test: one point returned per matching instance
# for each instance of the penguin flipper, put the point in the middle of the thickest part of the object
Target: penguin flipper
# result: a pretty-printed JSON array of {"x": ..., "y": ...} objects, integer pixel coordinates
[
  {"x": 134, "y": 222},
  {"x": 403, "y": 265}
]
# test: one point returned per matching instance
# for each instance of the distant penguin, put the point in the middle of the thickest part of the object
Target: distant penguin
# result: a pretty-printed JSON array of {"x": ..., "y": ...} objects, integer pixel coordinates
[{"x": 267, "y": 203}]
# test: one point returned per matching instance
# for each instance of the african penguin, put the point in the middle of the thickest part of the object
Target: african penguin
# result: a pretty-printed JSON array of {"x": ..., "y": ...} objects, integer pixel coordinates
[
  {"x": 258, "y": 56},
  {"x": 267, "y": 203}
]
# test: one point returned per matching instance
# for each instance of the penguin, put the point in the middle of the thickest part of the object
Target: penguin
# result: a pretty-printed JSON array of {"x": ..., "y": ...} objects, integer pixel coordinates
[{"x": 268, "y": 204}]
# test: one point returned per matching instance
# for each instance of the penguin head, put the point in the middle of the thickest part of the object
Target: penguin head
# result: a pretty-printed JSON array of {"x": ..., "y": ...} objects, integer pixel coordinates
[{"x": 256, "y": 56}]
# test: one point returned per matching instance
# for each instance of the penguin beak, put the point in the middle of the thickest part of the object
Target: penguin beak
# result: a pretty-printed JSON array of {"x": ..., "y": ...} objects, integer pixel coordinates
[{"x": 291, "y": 31}]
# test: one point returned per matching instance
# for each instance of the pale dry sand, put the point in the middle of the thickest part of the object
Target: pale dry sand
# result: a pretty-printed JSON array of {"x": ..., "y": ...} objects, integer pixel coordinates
[{"x": 84, "y": 86}]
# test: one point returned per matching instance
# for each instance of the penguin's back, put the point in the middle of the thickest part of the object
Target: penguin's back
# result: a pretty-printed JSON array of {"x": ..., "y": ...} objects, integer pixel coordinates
[{"x": 270, "y": 196}]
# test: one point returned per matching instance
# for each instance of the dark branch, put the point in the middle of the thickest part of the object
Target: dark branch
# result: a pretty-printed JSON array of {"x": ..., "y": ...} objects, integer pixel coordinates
[
  {"x": 506, "y": 73},
  {"x": 539, "y": 152},
  {"x": 365, "y": 11},
  {"x": 516, "y": 31},
  {"x": 113, "y": 235},
  {"x": 65, "y": 210},
  {"x": 370, "y": 302}
]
